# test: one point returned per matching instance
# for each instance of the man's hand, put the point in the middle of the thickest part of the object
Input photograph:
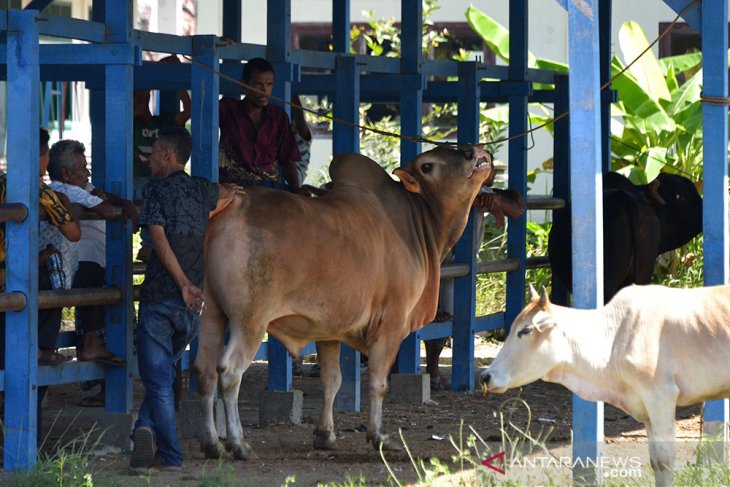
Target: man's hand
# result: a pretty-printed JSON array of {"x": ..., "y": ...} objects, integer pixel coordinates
[
  {"x": 226, "y": 193},
  {"x": 193, "y": 297},
  {"x": 229, "y": 190},
  {"x": 484, "y": 201},
  {"x": 501, "y": 203},
  {"x": 130, "y": 213}
]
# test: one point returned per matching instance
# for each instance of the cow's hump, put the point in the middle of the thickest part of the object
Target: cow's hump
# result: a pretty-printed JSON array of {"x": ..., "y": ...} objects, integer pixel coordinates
[{"x": 359, "y": 171}]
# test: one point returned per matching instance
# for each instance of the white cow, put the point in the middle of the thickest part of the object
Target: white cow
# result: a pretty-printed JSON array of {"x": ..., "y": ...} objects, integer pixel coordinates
[{"x": 649, "y": 350}]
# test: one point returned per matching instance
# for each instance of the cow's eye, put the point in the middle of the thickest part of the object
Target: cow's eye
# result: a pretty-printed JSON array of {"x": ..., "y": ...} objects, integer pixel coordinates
[
  {"x": 426, "y": 168},
  {"x": 525, "y": 331}
]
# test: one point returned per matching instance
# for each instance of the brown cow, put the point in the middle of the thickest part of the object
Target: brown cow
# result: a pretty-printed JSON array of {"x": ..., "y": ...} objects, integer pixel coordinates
[{"x": 359, "y": 266}]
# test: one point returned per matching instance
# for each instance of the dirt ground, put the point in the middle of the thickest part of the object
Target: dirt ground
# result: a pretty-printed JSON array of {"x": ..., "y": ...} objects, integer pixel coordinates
[{"x": 285, "y": 450}]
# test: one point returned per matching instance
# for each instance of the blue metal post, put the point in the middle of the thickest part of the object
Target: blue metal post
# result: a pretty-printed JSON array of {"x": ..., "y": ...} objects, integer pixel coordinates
[
  {"x": 341, "y": 26},
  {"x": 117, "y": 163},
  {"x": 561, "y": 158},
  {"x": 21, "y": 332},
  {"x": 587, "y": 207},
  {"x": 462, "y": 372},
  {"x": 279, "y": 44},
  {"x": 205, "y": 86},
  {"x": 604, "y": 40},
  {"x": 411, "y": 113},
  {"x": 517, "y": 232},
  {"x": 715, "y": 219},
  {"x": 232, "y": 19},
  {"x": 347, "y": 139}
]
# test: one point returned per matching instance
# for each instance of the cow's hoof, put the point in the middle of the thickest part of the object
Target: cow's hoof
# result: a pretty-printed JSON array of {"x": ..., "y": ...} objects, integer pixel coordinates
[
  {"x": 240, "y": 451},
  {"x": 213, "y": 450},
  {"x": 324, "y": 440},
  {"x": 388, "y": 444}
]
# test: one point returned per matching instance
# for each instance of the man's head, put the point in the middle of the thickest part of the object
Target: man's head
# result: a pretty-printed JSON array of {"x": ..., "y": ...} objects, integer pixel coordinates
[
  {"x": 171, "y": 151},
  {"x": 67, "y": 163},
  {"x": 43, "y": 142},
  {"x": 142, "y": 104},
  {"x": 258, "y": 73}
]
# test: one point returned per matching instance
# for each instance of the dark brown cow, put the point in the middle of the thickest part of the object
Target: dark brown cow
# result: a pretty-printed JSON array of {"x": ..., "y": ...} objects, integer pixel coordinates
[{"x": 359, "y": 266}]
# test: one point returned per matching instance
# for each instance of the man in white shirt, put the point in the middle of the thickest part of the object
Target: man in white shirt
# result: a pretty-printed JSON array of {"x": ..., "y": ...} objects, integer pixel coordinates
[{"x": 84, "y": 262}]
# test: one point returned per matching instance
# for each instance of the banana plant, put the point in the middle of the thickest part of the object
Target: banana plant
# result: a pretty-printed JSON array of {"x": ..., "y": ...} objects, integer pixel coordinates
[{"x": 656, "y": 124}]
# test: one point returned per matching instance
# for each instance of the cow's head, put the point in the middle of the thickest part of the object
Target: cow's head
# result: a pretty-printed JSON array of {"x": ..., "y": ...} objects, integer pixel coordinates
[
  {"x": 534, "y": 347},
  {"x": 679, "y": 207},
  {"x": 449, "y": 175}
]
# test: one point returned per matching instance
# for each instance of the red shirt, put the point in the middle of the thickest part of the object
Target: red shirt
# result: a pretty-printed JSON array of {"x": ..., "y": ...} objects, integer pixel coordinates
[{"x": 258, "y": 151}]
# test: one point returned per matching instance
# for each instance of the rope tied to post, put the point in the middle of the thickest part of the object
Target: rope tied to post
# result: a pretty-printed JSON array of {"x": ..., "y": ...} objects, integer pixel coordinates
[{"x": 716, "y": 101}]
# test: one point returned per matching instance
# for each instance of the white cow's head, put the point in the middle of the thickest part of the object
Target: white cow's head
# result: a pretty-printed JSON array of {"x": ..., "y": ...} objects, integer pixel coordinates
[{"x": 534, "y": 347}]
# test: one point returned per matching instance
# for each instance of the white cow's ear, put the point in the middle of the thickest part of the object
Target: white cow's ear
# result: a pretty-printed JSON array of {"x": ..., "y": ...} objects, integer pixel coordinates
[
  {"x": 409, "y": 182},
  {"x": 533, "y": 292},
  {"x": 544, "y": 321},
  {"x": 544, "y": 299}
]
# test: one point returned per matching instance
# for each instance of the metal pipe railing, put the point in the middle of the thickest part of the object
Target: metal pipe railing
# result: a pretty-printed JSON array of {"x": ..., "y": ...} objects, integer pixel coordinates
[
  {"x": 57, "y": 298},
  {"x": 17, "y": 212},
  {"x": 544, "y": 203},
  {"x": 14, "y": 301},
  {"x": 13, "y": 212}
]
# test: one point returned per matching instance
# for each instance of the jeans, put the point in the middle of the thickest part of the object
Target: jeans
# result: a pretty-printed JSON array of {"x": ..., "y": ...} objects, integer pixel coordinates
[{"x": 164, "y": 331}]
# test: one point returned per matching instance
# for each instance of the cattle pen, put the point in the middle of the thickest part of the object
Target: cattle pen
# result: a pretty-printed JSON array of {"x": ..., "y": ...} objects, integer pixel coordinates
[{"x": 106, "y": 54}]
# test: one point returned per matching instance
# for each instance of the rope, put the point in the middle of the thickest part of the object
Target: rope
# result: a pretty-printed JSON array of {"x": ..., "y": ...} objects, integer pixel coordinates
[
  {"x": 716, "y": 101},
  {"x": 724, "y": 101}
]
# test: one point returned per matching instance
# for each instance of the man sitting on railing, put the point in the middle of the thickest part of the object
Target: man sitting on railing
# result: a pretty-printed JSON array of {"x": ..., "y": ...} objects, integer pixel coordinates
[
  {"x": 70, "y": 176},
  {"x": 58, "y": 210},
  {"x": 257, "y": 146}
]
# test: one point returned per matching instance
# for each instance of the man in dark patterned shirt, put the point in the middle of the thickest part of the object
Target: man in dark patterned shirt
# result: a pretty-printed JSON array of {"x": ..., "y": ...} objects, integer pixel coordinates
[{"x": 176, "y": 211}]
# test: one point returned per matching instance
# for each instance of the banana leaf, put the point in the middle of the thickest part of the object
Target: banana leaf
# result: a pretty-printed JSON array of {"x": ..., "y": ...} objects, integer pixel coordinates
[
  {"x": 681, "y": 63},
  {"x": 646, "y": 69},
  {"x": 496, "y": 36},
  {"x": 635, "y": 101},
  {"x": 687, "y": 94}
]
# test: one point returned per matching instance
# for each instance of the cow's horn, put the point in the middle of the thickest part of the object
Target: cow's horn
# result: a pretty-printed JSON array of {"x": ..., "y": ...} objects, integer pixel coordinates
[
  {"x": 533, "y": 292},
  {"x": 544, "y": 298}
]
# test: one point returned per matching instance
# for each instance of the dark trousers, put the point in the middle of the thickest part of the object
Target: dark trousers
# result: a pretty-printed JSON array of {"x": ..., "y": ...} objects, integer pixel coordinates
[
  {"x": 89, "y": 318},
  {"x": 49, "y": 320}
]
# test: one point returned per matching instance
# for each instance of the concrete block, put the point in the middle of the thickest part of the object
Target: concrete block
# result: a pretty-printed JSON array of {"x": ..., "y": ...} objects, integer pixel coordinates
[
  {"x": 408, "y": 389},
  {"x": 281, "y": 407},
  {"x": 190, "y": 418},
  {"x": 116, "y": 429},
  {"x": 103, "y": 429}
]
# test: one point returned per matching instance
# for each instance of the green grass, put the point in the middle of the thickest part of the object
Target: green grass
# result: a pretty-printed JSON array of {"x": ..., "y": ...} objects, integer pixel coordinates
[{"x": 68, "y": 465}]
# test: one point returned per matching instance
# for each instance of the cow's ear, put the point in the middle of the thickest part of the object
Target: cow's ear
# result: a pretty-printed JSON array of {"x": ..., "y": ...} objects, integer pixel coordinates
[
  {"x": 544, "y": 322},
  {"x": 410, "y": 183},
  {"x": 654, "y": 192},
  {"x": 544, "y": 299}
]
